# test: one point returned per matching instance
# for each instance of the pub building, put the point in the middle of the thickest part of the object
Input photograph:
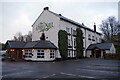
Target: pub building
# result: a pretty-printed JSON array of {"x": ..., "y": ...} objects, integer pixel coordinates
[
  {"x": 35, "y": 50},
  {"x": 45, "y": 48}
]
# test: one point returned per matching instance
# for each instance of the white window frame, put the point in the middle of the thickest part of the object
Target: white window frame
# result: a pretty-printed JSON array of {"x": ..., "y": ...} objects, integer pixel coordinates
[
  {"x": 52, "y": 53},
  {"x": 89, "y": 36},
  {"x": 29, "y": 53},
  {"x": 69, "y": 42},
  {"x": 74, "y": 42},
  {"x": 41, "y": 53},
  {"x": 67, "y": 30},
  {"x": 68, "y": 53}
]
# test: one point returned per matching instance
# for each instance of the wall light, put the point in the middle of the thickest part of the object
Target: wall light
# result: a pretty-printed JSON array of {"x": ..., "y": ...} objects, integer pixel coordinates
[
  {"x": 33, "y": 49},
  {"x": 48, "y": 50},
  {"x": 22, "y": 50}
]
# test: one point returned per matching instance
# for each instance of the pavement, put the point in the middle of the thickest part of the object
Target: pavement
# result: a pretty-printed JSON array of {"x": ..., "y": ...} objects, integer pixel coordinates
[{"x": 85, "y": 69}]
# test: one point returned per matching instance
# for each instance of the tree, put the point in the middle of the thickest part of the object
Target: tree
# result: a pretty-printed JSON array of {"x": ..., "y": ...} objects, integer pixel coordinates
[
  {"x": 20, "y": 37},
  {"x": 110, "y": 28},
  {"x": 79, "y": 43},
  {"x": 63, "y": 43},
  {"x": 28, "y": 37}
]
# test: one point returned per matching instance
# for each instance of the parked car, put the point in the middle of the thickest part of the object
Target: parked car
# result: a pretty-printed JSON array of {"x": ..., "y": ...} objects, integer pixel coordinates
[{"x": 2, "y": 55}]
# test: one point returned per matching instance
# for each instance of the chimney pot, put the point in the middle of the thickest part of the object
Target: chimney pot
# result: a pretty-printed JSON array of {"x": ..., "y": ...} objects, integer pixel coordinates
[
  {"x": 59, "y": 14},
  {"x": 83, "y": 24},
  {"x": 46, "y": 8},
  {"x": 94, "y": 27}
]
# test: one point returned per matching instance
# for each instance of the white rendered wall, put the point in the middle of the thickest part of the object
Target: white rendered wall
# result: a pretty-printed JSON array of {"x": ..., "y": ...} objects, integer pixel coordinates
[{"x": 52, "y": 33}]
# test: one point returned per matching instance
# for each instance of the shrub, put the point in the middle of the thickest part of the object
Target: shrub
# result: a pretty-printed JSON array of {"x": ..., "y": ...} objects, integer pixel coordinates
[
  {"x": 63, "y": 43},
  {"x": 79, "y": 43},
  {"x": 112, "y": 56}
]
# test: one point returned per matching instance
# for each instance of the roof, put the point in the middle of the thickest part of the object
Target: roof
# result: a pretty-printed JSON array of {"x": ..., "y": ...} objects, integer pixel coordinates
[
  {"x": 105, "y": 46},
  {"x": 45, "y": 45},
  {"x": 31, "y": 45},
  {"x": 16, "y": 44},
  {"x": 69, "y": 20},
  {"x": 73, "y": 22}
]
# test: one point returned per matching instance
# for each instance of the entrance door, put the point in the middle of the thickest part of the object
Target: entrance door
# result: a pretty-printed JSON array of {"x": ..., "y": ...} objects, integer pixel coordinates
[{"x": 98, "y": 53}]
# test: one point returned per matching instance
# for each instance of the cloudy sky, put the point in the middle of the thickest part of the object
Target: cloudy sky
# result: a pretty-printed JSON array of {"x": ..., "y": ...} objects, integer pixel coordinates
[{"x": 19, "y": 15}]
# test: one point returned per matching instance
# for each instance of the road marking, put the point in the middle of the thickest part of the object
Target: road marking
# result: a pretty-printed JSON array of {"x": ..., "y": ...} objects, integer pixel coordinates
[
  {"x": 78, "y": 75},
  {"x": 86, "y": 76},
  {"x": 49, "y": 76},
  {"x": 97, "y": 70},
  {"x": 17, "y": 73},
  {"x": 67, "y": 74}
]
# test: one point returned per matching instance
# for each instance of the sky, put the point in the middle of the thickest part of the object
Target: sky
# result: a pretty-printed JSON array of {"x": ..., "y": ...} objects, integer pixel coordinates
[{"x": 19, "y": 15}]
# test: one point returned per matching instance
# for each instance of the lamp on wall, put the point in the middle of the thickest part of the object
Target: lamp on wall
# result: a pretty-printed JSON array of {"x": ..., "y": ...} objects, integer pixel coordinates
[
  {"x": 22, "y": 50},
  {"x": 6, "y": 50},
  {"x": 48, "y": 50},
  {"x": 33, "y": 49},
  {"x": 12, "y": 50}
]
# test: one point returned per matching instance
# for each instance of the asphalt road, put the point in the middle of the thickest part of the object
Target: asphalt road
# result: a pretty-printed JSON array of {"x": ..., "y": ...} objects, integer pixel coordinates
[{"x": 76, "y": 69}]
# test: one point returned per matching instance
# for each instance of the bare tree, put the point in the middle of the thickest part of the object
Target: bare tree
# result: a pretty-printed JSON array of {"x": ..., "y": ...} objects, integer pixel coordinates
[
  {"x": 110, "y": 28},
  {"x": 20, "y": 37},
  {"x": 28, "y": 36}
]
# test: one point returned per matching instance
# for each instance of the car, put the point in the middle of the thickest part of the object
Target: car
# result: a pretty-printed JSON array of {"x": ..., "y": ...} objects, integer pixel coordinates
[{"x": 2, "y": 55}]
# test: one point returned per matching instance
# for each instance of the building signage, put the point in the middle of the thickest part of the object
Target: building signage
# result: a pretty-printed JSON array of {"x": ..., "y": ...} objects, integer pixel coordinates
[{"x": 42, "y": 26}]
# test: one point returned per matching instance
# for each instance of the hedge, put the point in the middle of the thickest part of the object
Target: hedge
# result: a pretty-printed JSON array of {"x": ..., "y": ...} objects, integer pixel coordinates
[{"x": 112, "y": 56}]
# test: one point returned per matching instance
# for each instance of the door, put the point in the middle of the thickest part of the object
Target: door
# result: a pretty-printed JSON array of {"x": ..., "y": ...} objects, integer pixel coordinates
[{"x": 98, "y": 53}]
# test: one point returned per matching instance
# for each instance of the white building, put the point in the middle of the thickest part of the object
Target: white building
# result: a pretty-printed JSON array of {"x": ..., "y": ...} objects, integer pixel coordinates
[
  {"x": 47, "y": 50},
  {"x": 60, "y": 22}
]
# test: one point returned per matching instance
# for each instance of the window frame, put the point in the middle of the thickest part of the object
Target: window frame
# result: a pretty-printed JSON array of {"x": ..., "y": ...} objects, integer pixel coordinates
[
  {"x": 52, "y": 54},
  {"x": 67, "y": 30},
  {"x": 41, "y": 53}
]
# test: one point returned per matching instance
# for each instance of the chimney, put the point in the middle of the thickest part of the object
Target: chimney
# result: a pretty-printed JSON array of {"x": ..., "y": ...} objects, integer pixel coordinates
[
  {"x": 60, "y": 15},
  {"x": 46, "y": 8},
  {"x": 94, "y": 27},
  {"x": 83, "y": 24}
]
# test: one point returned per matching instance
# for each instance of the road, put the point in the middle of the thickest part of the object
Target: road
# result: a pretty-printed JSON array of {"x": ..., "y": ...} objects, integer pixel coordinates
[{"x": 75, "y": 69}]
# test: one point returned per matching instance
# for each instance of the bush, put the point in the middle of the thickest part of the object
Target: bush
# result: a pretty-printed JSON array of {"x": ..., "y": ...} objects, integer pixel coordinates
[
  {"x": 63, "y": 43},
  {"x": 112, "y": 56},
  {"x": 118, "y": 50},
  {"x": 79, "y": 43}
]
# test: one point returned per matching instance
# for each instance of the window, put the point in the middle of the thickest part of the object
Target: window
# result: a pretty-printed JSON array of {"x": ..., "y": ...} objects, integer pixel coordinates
[
  {"x": 93, "y": 38},
  {"x": 75, "y": 53},
  {"x": 68, "y": 42},
  {"x": 40, "y": 53},
  {"x": 28, "y": 53},
  {"x": 99, "y": 39},
  {"x": 74, "y": 32},
  {"x": 67, "y": 30},
  {"x": 96, "y": 39},
  {"x": 52, "y": 52},
  {"x": 74, "y": 42},
  {"x": 68, "y": 53},
  {"x": 89, "y": 37}
]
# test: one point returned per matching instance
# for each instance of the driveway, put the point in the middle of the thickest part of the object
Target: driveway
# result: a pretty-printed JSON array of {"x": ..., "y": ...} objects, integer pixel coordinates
[{"x": 69, "y": 69}]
